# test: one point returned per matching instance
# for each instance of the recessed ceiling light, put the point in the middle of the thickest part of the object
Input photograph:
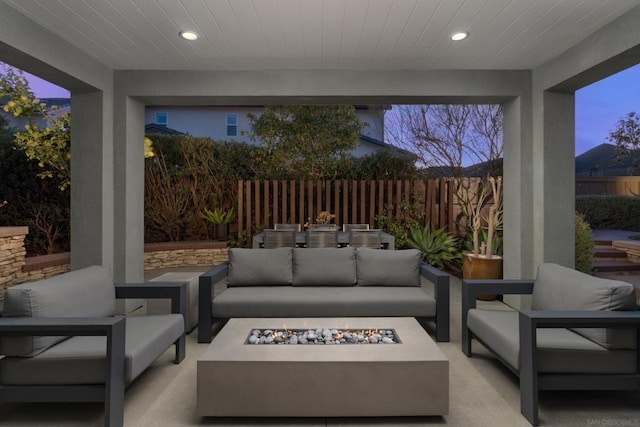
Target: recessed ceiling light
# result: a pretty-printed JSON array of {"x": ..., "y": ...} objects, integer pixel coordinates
[
  {"x": 456, "y": 37},
  {"x": 189, "y": 35}
]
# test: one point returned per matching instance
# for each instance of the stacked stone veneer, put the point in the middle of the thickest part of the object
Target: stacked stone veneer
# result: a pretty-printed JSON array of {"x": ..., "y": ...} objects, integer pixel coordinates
[
  {"x": 15, "y": 268},
  {"x": 184, "y": 254},
  {"x": 12, "y": 255}
]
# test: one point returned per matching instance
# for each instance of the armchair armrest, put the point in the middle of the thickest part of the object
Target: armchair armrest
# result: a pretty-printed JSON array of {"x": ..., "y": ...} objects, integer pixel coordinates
[
  {"x": 529, "y": 321},
  {"x": 205, "y": 299},
  {"x": 471, "y": 288},
  {"x": 111, "y": 327},
  {"x": 175, "y": 291},
  {"x": 440, "y": 281},
  {"x": 53, "y": 326}
]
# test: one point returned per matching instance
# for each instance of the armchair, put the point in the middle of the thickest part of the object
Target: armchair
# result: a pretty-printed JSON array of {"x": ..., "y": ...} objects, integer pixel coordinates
[
  {"x": 581, "y": 334},
  {"x": 68, "y": 359}
]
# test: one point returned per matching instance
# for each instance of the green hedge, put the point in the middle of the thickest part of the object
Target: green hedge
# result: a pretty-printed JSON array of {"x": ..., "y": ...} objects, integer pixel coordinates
[{"x": 610, "y": 212}]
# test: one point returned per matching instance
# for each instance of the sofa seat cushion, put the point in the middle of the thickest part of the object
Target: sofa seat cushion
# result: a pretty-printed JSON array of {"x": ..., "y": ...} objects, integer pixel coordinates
[
  {"x": 87, "y": 292},
  {"x": 324, "y": 266},
  {"x": 323, "y": 301},
  {"x": 559, "y": 288},
  {"x": 251, "y": 267},
  {"x": 81, "y": 360},
  {"x": 559, "y": 350},
  {"x": 375, "y": 267}
]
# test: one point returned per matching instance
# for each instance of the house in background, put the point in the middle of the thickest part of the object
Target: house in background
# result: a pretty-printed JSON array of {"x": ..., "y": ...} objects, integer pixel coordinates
[
  {"x": 63, "y": 107},
  {"x": 232, "y": 123}
]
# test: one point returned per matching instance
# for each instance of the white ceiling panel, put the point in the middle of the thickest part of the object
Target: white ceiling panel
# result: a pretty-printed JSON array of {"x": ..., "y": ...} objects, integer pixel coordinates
[{"x": 323, "y": 34}]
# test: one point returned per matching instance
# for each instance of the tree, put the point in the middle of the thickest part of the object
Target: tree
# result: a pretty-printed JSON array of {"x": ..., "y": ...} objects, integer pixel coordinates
[
  {"x": 49, "y": 145},
  {"x": 626, "y": 137},
  {"x": 305, "y": 141},
  {"x": 449, "y": 138},
  {"x": 446, "y": 138},
  {"x": 29, "y": 200}
]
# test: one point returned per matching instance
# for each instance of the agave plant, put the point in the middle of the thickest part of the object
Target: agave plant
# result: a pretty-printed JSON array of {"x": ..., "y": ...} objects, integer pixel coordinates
[
  {"x": 219, "y": 216},
  {"x": 436, "y": 246}
]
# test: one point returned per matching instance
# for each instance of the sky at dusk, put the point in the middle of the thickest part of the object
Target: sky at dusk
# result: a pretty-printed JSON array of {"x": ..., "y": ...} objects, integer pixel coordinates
[
  {"x": 601, "y": 105},
  {"x": 598, "y": 106}
]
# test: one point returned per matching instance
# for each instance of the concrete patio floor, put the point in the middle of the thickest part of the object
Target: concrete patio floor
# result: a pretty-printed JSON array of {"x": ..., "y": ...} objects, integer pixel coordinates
[{"x": 483, "y": 393}]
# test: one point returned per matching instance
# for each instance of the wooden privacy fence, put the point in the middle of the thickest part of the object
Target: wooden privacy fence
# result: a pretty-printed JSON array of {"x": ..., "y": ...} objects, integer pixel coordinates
[
  {"x": 609, "y": 185},
  {"x": 265, "y": 203}
]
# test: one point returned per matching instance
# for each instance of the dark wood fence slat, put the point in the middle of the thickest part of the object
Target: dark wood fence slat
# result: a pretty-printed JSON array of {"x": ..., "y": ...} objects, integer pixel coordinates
[
  {"x": 345, "y": 203},
  {"x": 450, "y": 207},
  {"x": 318, "y": 208},
  {"x": 240, "y": 209},
  {"x": 354, "y": 202},
  {"x": 398, "y": 198},
  {"x": 372, "y": 202},
  {"x": 274, "y": 204},
  {"x": 363, "y": 202},
  {"x": 248, "y": 212},
  {"x": 267, "y": 203},
  {"x": 336, "y": 200}
]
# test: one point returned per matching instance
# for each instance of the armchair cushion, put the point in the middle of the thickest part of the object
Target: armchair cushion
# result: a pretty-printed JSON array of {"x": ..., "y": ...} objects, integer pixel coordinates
[
  {"x": 558, "y": 288},
  {"x": 81, "y": 359},
  {"x": 375, "y": 267},
  {"x": 560, "y": 350},
  {"x": 252, "y": 267},
  {"x": 87, "y": 292},
  {"x": 324, "y": 267}
]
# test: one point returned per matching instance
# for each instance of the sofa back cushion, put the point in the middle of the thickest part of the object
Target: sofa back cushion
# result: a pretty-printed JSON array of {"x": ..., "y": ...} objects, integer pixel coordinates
[
  {"x": 324, "y": 267},
  {"x": 254, "y": 267},
  {"x": 378, "y": 267},
  {"x": 87, "y": 292},
  {"x": 559, "y": 288}
]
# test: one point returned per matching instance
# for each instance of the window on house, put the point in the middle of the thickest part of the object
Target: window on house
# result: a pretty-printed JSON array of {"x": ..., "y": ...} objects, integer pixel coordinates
[
  {"x": 232, "y": 124},
  {"x": 162, "y": 118}
]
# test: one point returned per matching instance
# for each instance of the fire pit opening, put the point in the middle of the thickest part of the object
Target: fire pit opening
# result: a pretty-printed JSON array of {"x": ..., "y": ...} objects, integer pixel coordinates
[{"x": 322, "y": 336}]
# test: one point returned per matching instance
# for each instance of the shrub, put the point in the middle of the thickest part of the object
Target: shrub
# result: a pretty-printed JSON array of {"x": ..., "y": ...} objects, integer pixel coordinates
[
  {"x": 584, "y": 245},
  {"x": 610, "y": 212},
  {"x": 30, "y": 200},
  {"x": 399, "y": 222}
]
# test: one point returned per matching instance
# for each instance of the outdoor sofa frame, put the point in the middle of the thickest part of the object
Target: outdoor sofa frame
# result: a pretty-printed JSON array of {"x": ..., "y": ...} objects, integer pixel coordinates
[
  {"x": 112, "y": 392},
  {"x": 531, "y": 381}
]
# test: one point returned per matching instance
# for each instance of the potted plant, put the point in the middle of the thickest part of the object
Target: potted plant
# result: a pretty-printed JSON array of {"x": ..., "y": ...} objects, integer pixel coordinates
[
  {"x": 220, "y": 218},
  {"x": 483, "y": 262},
  {"x": 323, "y": 221}
]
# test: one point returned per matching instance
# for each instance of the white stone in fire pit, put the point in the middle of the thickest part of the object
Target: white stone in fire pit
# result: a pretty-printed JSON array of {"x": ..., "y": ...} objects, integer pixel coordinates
[{"x": 238, "y": 379}]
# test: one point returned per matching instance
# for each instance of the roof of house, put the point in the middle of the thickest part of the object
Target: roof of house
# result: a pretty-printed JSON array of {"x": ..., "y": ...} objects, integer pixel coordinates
[{"x": 156, "y": 129}]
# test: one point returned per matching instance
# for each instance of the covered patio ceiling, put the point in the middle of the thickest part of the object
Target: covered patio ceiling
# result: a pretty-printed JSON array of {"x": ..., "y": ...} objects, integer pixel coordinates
[{"x": 323, "y": 34}]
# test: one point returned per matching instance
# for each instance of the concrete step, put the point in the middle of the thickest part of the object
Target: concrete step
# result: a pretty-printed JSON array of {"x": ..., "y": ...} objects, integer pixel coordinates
[
  {"x": 603, "y": 242},
  {"x": 608, "y": 253},
  {"x": 615, "y": 266}
]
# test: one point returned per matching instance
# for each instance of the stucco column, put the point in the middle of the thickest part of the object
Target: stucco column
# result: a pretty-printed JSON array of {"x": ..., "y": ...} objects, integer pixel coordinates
[
  {"x": 91, "y": 179},
  {"x": 554, "y": 178},
  {"x": 518, "y": 192},
  {"x": 559, "y": 178},
  {"x": 128, "y": 189}
]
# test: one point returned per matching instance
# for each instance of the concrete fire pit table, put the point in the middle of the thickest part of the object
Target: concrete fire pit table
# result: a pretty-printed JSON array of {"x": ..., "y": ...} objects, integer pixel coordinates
[{"x": 409, "y": 378}]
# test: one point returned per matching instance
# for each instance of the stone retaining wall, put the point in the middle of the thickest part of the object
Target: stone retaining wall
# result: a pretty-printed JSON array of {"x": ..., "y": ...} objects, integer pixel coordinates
[
  {"x": 184, "y": 254},
  {"x": 15, "y": 268},
  {"x": 12, "y": 255}
]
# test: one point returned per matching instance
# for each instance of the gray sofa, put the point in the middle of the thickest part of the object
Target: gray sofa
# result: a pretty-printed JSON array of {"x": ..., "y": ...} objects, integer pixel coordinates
[
  {"x": 323, "y": 282},
  {"x": 61, "y": 341},
  {"x": 581, "y": 333}
]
